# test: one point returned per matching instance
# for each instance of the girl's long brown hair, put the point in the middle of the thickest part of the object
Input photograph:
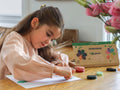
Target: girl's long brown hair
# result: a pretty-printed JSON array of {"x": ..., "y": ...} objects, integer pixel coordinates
[{"x": 46, "y": 15}]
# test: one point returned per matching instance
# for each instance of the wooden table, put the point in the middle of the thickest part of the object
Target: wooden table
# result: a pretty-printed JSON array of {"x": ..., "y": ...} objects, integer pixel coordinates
[{"x": 109, "y": 81}]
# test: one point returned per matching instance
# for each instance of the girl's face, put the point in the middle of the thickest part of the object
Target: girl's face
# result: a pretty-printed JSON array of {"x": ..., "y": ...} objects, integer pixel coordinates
[{"x": 42, "y": 36}]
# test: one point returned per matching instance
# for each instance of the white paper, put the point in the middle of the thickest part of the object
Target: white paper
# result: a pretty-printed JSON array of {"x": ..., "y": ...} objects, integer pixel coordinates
[{"x": 48, "y": 81}]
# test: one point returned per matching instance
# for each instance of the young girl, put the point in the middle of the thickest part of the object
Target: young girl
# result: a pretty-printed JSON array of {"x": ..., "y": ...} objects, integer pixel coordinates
[{"x": 19, "y": 47}]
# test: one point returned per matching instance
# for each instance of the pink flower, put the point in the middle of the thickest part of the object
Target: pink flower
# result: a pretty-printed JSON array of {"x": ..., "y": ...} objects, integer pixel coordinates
[
  {"x": 117, "y": 4},
  {"x": 115, "y": 8},
  {"x": 97, "y": 9},
  {"x": 105, "y": 7},
  {"x": 115, "y": 22},
  {"x": 94, "y": 12},
  {"x": 111, "y": 9}
]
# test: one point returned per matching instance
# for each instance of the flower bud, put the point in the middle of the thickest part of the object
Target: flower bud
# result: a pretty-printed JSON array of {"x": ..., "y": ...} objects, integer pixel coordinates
[
  {"x": 82, "y": 2},
  {"x": 101, "y": 1},
  {"x": 94, "y": 1},
  {"x": 111, "y": 29}
]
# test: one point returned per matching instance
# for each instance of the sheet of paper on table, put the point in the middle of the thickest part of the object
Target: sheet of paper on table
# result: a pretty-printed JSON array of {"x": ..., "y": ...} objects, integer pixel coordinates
[{"x": 48, "y": 81}]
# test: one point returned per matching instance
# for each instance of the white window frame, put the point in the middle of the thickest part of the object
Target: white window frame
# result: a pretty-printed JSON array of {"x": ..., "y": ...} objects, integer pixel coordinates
[{"x": 10, "y": 20}]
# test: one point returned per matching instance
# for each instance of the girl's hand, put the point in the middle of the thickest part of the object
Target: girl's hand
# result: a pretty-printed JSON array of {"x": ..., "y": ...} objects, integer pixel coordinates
[
  {"x": 59, "y": 63},
  {"x": 61, "y": 60},
  {"x": 64, "y": 71}
]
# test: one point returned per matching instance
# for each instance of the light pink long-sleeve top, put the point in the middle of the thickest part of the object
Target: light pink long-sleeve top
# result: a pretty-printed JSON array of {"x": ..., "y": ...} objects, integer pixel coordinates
[{"x": 19, "y": 58}]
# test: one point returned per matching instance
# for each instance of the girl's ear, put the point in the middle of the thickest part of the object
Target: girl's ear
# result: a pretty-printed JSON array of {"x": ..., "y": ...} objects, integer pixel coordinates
[{"x": 34, "y": 22}]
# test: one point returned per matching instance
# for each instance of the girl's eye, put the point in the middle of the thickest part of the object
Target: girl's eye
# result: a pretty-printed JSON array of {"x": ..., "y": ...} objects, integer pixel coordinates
[{"x": 48, "y": 34}]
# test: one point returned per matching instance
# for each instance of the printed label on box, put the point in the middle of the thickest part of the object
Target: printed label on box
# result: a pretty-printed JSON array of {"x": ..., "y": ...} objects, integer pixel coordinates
[{"x": 95, "y": 54}]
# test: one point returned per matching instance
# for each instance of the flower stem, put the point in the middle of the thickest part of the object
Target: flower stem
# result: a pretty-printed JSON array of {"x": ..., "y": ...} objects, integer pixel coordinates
[{"x": 101, "y": 18}]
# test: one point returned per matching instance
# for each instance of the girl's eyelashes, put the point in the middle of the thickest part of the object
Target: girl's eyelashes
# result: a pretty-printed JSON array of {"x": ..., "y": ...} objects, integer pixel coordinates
[
  {"x": 52, "y": 39},
  {"x": 48, "y": 34}
]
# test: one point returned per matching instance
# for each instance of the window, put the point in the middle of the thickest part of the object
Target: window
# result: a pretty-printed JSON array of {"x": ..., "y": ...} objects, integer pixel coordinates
[{"x": 10, "y": 12}]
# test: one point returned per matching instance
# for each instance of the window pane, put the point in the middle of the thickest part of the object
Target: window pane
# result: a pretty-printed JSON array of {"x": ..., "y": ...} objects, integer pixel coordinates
[{"x": 10, "y": 7}]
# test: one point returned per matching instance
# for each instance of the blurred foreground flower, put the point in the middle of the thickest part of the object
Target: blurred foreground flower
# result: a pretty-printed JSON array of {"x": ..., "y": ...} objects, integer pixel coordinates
[{"x": 102, "y": 9}]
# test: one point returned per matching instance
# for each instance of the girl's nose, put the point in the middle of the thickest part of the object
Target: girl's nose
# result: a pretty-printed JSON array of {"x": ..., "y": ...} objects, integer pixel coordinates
[{"x": 47, "y": 41}]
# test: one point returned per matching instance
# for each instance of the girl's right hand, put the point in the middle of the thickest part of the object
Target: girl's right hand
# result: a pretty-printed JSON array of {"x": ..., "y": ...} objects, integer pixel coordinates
[{"x": 63, "y": 71}]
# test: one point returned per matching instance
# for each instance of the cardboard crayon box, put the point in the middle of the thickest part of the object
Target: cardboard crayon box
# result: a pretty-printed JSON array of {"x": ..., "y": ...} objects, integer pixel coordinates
[{"x": 93, "y": 54}]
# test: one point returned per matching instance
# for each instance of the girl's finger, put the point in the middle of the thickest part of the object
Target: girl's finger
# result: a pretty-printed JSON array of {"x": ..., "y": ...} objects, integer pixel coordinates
[
  {"x": 60, "y": 64},
  {"x": 73, "y": 70},
  {"x": 66, "y": 78},
  {"x": 54, "y": 62}
]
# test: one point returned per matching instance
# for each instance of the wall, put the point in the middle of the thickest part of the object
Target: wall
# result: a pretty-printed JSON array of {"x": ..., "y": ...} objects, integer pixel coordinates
[{"x": 90, "y": 29}]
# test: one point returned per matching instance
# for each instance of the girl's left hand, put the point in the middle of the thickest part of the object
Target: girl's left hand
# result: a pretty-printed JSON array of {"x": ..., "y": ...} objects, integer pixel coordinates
[
  {"x": 61, "y": 60},
  {"x": 59, "y": 63}
]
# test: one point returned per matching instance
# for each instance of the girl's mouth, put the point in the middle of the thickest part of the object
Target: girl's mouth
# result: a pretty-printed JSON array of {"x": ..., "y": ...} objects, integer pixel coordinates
[{"x": 42, "y": 44}]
